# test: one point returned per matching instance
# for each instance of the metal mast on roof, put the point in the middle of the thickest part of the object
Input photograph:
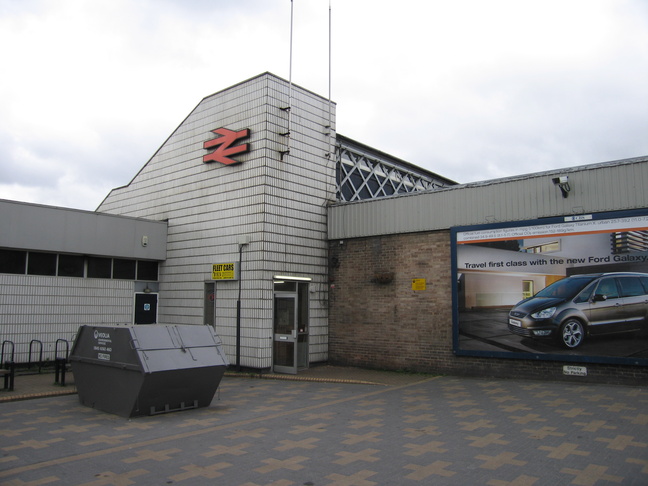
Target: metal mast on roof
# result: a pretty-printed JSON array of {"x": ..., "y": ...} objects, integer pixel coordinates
[
  {"x": 288, "y": 108},
  {"x": 331, "y": 133},
  {"x": 330, "y": 121},
  {"x": 290, "y": 86},
  {"x": 290, "y": 67},
  {"x": 329, "y": 71}
]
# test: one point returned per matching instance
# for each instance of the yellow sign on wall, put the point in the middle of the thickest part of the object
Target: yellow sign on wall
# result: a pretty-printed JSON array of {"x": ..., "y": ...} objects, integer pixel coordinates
[
  {"x": 223, "y": 271},
  {"x": 418, "y": 284}
]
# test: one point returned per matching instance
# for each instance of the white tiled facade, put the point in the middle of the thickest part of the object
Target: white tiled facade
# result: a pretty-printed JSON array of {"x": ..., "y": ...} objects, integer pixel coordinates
[
  {"x": 48, "y": 309},
  {"x": 276, "y": 199}
]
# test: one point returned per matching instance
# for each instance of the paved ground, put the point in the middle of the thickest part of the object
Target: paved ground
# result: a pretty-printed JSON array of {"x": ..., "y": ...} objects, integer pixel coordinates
[{"x": 335, "y": 427}]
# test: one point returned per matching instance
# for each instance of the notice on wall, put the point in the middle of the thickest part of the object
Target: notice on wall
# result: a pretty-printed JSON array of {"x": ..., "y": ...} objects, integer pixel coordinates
[
  {"x": 574, "y": 370},
  {"x": 224, "y": 271},
  {"x": 418, "y": 284}
]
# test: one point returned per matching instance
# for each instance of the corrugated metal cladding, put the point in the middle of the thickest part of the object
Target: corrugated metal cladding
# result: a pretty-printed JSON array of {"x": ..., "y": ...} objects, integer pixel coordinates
[
  {"x": 277, "y": 199},
  {"x": 609, "y": 186}
]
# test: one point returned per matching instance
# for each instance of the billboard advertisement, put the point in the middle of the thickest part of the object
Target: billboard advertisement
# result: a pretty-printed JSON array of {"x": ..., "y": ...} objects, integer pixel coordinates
[{"x": 573, "y": 288}]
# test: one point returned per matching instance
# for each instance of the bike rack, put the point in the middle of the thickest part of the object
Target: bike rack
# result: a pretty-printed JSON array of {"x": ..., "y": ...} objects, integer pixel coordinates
[
  {"x": 8, "y": 368},
  {"x": 2, "y": 352},
  {"x": 40, "y": 353},
  {"x": 60, "y": 363}
]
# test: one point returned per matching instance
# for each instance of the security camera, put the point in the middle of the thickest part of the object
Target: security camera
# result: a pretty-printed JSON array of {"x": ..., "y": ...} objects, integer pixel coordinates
[{"x": 563, "y": 184}]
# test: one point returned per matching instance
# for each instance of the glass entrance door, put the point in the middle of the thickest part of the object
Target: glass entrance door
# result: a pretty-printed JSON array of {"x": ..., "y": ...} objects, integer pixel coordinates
[
  {"x": 285, "y": 334},
  {"x": 290, "y": 342}
]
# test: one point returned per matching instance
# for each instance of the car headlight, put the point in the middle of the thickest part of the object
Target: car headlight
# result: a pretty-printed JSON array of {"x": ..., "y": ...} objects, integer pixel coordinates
[{"x": 544, "y": 313}]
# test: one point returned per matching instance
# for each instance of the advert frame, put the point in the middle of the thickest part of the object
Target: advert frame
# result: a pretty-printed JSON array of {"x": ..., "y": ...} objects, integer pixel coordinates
[{"x": 489, "y": 260}]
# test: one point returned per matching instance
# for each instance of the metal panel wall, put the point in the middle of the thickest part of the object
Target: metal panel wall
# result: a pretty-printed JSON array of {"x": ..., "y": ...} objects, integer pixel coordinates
[
  {"x": 595, "y": 188},
  {"x": 47, "y": 228},
  {"x": 278, "y": 201}
]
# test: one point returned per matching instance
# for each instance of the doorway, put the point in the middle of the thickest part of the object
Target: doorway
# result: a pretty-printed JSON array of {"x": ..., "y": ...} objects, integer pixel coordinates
[
  {"x": 290, "y": 326},
  {"x": 208, "y": 303},
  {"x": 145, "y": 308}
]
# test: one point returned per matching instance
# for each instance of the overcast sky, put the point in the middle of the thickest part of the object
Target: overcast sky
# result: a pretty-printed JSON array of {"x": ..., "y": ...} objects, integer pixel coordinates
[{"x": 470, "y": 89}]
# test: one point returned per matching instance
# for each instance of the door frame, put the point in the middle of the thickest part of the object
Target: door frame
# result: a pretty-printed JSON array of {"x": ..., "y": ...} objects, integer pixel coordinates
[
  {"x": 157, "y": 302},
  {"x": 282, "y": 339},
  {"x": 299, "y": 335}
]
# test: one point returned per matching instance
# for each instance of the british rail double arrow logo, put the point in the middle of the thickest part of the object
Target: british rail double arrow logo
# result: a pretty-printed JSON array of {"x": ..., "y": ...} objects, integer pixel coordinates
[{"x": 223, "y": 145}]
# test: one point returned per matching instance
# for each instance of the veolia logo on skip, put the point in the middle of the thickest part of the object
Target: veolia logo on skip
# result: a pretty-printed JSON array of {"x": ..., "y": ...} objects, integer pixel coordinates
[{"x": 101, "y": 335}]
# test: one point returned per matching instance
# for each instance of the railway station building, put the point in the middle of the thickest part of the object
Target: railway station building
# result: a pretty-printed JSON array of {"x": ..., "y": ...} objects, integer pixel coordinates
[{"x": 301, "y": 246}]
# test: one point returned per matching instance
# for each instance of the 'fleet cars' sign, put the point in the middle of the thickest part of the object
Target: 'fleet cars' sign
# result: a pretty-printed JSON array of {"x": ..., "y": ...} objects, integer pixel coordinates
[
  {"x": 224, "y": 271},
  {"x": 223, "y": 145}
]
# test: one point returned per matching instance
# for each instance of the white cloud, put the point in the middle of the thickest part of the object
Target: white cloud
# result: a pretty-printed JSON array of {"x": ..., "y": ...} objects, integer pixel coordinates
[{"x": 469, "y": 89}]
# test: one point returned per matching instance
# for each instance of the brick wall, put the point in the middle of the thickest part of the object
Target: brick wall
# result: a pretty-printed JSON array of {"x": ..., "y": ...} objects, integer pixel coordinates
[{"x": 377, "y": 321}]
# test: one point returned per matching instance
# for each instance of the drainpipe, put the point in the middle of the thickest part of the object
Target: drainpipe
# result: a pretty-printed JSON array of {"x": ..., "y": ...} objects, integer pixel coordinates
[{"x": 243, "y": 240}]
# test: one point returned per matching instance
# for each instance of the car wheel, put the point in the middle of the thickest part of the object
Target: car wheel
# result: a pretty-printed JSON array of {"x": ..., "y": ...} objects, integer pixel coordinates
[{"x": 572, "y": 333}]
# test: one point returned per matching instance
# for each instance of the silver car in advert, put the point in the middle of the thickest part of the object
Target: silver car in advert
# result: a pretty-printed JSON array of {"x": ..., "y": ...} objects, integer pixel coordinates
[{"x": 579, "y": 306}]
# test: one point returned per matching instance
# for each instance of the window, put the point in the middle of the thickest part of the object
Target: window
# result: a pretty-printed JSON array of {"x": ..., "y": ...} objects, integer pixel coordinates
[
  {"x": 13, "y": 261},
  {"x": 281, "y": 286},
  {"x": 210, "y": 297},
  {"x": 70, "y": 266},
  {"x": 627, "y": 241},
  {"x": 66, "y": 265},
  {"x": 608, "y": 288},
  {"x": 543, "y": 247},
  {"x": 99, "y": 267},
  {"x": 586, "y": 294},
  {"x": 41, "y": 263},
  {"x": 631, "y": 286},
  {"x": 361, "y": 175},
  {"x": 124, "y": 269},
  {"x": 147, "y": 270},
  {"x": 302, "y": 308}
]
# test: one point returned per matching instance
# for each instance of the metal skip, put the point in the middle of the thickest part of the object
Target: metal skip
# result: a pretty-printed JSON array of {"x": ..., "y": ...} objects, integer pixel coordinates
[{"x": 145, "y": 370}]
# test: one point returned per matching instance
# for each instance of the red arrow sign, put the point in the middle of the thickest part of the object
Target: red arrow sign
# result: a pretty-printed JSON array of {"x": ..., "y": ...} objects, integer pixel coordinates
[{"x": 224, "y": 147}]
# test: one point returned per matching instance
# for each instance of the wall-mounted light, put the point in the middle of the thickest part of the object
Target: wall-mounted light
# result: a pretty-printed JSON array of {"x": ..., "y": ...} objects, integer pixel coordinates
[
  {"x": 563, "y": 184},
  {"x": 288, "y": 277}
]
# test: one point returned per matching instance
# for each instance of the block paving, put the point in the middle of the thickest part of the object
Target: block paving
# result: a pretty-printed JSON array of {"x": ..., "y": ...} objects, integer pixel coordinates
[{"x": 427, "y": 430}]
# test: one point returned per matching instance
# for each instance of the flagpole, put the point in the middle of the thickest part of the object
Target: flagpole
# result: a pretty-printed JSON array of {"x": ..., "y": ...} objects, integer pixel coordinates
[
  {"x": 329, "y": 66},
  {"x": 290, "y": 86},
  {"x": 331, "y": 132}
]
